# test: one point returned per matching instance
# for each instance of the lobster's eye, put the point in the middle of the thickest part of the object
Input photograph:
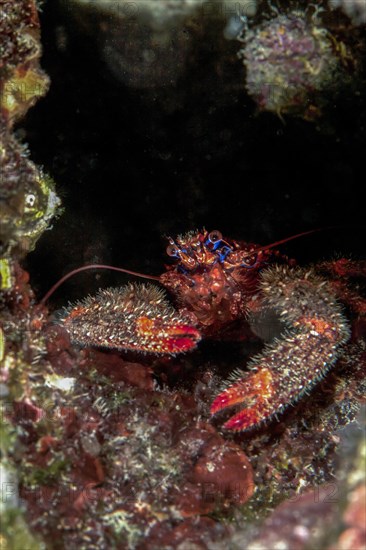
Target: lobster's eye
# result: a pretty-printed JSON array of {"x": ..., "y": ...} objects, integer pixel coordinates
[
  {"x": 172, "y": 250},
  {"x": 215, "y": 236}
]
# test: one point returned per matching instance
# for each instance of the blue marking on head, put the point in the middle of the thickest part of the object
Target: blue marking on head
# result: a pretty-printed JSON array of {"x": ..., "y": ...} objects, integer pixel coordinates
[
  {"x": 216, "y": 243},
  {"x": 219, "y": 246},
  {"x": 225, "y": 250},
  {"x": 182, "y": 270}
]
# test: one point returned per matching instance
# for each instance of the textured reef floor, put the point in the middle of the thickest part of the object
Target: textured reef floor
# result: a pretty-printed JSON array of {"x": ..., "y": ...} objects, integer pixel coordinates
[
  {"x": 101, "y": 449},
  {"x": 109, "y": 452}
]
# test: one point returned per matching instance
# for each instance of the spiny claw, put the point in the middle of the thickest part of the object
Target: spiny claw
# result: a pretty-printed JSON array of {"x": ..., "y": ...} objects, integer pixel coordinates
[
  {"x": 293, "y": 363},
  {"x": 134, "y": 317},
  {"x": 254, "y": 391}
]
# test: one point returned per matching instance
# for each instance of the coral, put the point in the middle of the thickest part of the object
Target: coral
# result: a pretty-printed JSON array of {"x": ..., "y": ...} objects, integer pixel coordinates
[
  {"x": 292, "y": 62},
  {"x": 20, "y": 346},
  {"x": 27, "y": 197},
  {"x": 22, "y": 81},
  {"x": 27, "y": 204}
]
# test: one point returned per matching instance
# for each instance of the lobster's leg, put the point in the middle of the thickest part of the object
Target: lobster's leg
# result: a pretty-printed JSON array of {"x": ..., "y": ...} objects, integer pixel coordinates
[
  {"x": 341, "y": 271},
  {"x": 291, "y": 364}
]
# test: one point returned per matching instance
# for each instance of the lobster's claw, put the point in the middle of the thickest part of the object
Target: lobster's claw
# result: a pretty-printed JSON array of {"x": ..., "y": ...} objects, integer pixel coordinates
[
  {"x": 254, "y": 392},
  {"x": 134, "y": 317},
  {"x": 293, "y": 363}
]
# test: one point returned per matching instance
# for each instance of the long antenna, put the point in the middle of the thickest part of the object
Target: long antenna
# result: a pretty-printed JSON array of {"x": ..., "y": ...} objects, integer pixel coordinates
[
  {"x": 92, "y": 266},
  {"x": 154, "y": 277},
  {"x": 283, "y": 241}
]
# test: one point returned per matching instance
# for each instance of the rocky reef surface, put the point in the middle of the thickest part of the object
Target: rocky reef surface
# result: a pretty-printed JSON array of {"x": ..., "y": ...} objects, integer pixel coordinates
[{"x": 107, "y": 450}]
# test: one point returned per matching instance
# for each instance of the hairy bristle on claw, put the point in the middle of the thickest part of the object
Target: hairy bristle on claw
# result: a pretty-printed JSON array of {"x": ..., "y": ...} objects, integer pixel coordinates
[
  {"x": 290, "y": 366},
  {"x": 135, "y": 317}
]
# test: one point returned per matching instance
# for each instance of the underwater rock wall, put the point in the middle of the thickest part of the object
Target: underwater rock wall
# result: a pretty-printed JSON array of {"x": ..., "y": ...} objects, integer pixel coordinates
[{"x": 100, "y": 449}]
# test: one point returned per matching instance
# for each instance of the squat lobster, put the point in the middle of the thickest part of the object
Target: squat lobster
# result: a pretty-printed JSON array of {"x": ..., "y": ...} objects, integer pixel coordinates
[{"x": 217, "y": 282}]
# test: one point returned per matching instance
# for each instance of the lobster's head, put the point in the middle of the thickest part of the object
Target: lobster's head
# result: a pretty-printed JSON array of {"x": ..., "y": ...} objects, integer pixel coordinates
[
  {"x": 213, "y": 277},
  {"x": 201, "y": 250}
]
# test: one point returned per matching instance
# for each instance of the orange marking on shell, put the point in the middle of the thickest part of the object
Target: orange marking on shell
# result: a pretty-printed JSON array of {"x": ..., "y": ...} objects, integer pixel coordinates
[
  {"x": 77, "y": 311},
  {"x": 321, "y": 327},
  {"x": 263, "y": 380},
  {"x": 145, "y": 325},
  {"x": 256, "y": 387}
]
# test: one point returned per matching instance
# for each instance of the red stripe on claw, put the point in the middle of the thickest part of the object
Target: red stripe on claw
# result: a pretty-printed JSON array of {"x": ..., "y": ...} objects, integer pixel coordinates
[
  {"x": 181, "y": 339},
  {"x": 254, "y": 393},
  {"x": 233, "y": 395},
  {"x": 243, "y": 420}
]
